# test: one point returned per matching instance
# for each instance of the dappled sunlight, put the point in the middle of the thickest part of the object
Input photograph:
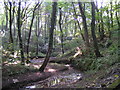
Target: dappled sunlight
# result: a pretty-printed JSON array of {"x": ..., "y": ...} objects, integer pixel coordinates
[
  {"x": 38, "y": 73},
  {"x": 11, "y": 63},
  {"x": 78, "y": 52},
  {"x": 54, "y": 44},
  {"x": 36, "y": 66},
  {"x": 31, "y": 87},
  {"x": 16, "y": 62},
  {"x": 67, "y": 65},
  {"x": 65, "y": 78},
  {"x": 51, "y": 70}
]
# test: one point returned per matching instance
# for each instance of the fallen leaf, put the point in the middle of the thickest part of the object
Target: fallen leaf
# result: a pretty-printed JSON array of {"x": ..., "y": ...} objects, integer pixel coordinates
[{"x": 116, "y": 76}]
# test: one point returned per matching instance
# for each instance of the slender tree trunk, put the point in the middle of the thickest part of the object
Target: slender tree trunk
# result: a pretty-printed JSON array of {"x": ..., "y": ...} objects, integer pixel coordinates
[
  {"x": 75, "y": 29},
  {"x": 99, "y": 23},
  {"x": 97, "y": 53},
  {"x": 45, "y": 27},
  {"x": 6, "y": 13},
  {"x": 36, "y": 33},
  {"x": 10, "y": 23},
  {"x": 108, "y": 23},
  {"x": 19, "y": 34},
  {"x": 29, "y": 35},
  {"x": 10, "y": 27},
  {"x": 53, "y": 21},
  {"x": 2, "y": 27},
  {"x": 78, "y": 22},
  {"x": 102, "y": 26},
  {"x": 66, "y": 27},
  {"x": 111, "y": 15},
  {"x": 61, "y": 34},
  {"x": 86, "y": 36},
  {"x": 117, "y": 18}
]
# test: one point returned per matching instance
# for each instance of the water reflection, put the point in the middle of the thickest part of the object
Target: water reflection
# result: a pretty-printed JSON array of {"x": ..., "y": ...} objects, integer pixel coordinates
[{"x": 57, "y": 80}]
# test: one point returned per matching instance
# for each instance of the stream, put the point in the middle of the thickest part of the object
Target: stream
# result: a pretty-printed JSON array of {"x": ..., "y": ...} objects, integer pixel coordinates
[
  {"x": 61, "y": 78},
  {"x": 56, "y": 81},
  {"x": 67, "y": 78}
]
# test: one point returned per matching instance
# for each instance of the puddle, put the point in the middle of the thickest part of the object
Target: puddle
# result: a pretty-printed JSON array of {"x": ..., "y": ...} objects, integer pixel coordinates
[
  {"x": 36, "y": 61},
  {"x": 57, "y": 80}
]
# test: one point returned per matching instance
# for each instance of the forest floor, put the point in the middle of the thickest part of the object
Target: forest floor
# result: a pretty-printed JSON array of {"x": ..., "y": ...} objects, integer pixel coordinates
[{"x": 58, "y": 76}]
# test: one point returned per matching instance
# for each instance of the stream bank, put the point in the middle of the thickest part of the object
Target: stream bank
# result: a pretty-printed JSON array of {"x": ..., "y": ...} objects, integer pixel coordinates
[{"x": 62, "y": 76}]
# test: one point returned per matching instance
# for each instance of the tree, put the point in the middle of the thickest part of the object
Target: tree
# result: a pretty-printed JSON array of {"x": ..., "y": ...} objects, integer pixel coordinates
[
  {"x": 98, "y": 21},
  {"x": 19, "y": 34},
  {"x": 61, "y": 34},
  {"x": 38, "y": 30},
  {"x": 116, "y": 14},
  {"x": 53, "y": 21},
  {"x": 108, "y": 23},
  {"x": 86, "y": 36},
  {"x": 10, "y": 27},
  {"x": 29, "y": 35},
  {"x": 102, "y": 24},
  {"x": 6, "y": 13},
  {"x": 111, "y": 14},
  {"x": 77, "y": 21},
  {"x": 97, "y": 53}
]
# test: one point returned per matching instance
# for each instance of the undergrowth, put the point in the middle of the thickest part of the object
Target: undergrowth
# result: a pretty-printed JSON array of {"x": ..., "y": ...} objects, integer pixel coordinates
[{"x": 90, "y": 62}]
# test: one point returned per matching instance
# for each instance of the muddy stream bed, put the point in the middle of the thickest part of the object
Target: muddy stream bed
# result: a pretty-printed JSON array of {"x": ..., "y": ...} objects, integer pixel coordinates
[
  {"x": 74, "y": 78},
  {"x": 70, "y": 77},
  {"x": 66, "y": 77},
  {"x": 62, "y": 78}
]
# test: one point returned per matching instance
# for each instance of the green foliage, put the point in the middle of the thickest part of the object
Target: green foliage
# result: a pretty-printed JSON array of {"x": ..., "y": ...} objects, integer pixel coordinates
[
  {"x": 69, "y": 53},
  {"x": 89, "y": 62},
  {"x": 16, "y": 69},
  {"x": 54, "y": 54},
  {"x": 72, "y": 44},
  {"x": 95, "y": 63},
  {"x": 114, "y": 84},
  {"x": 39, "y": 54}
]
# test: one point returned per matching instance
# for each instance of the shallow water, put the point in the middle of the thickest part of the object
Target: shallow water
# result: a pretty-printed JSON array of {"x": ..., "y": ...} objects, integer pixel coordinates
[{"x": 63, "y": 78}]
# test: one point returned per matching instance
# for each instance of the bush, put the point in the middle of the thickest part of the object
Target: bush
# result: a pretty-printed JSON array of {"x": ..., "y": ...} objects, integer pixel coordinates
[{"x": 95, "y": 63}]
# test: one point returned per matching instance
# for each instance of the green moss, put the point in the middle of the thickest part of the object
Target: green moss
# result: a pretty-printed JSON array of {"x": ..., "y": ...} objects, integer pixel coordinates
[
  {"x": 10, "y": 70},
  {"x": 115, "y": 83}
]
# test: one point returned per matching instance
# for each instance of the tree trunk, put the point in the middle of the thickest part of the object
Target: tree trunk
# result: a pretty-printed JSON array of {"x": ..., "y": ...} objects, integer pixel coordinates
[
  {"x": 97, "y": 53},
  {"x": 75, "y": 29},
  {"x": 19, "y": 34},
  {"x": 61, "y": 34},
  {"x": 10, "y": 24},
  {"x": 78, "y": 22},
  {"x": 45, "y": 29},
  {"x": 116, "y": 14},
  {"x": 102, "y": 26},
  {"x": 53, "y": 21},
  {"x": 36, "y": 33},
  {"x": 108, "y": 23},
  {"x": 29, "y": 35},
  {"x": 99, "y": 23},
  {"x": 86, "y": 36},
  {"x": 66, "y": 27},
  {"x": 6, "y": 13},
  {"x": 111, "y": 16},
  {"x": 2, "y": 28}
]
